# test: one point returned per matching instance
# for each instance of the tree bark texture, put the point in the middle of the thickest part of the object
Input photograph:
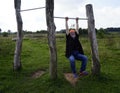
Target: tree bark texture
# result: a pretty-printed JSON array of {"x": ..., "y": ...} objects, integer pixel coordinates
[
  {"x": 51, "y": 38},
  {"x": 18, "y": 49},
  {"x": 92, "y": 36}
]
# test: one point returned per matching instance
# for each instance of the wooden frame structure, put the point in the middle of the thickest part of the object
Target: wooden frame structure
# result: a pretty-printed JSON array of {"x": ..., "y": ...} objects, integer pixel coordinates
[{"x": 51, "y": 37}]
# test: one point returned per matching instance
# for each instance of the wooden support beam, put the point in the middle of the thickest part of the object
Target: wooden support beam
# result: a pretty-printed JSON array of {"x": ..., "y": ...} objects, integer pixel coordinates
[
  {"x": 93, "y": 40},
  {"x": 18, "y": 49},
  {"x": 51, "y": 38}
]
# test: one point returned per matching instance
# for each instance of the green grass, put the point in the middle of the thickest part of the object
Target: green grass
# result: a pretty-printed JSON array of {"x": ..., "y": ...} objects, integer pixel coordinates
[{"x": 35, "y": 56}]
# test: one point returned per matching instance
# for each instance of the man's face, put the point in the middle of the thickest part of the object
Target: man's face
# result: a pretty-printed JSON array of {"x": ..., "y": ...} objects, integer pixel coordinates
[{"x": 72, "y": 33}]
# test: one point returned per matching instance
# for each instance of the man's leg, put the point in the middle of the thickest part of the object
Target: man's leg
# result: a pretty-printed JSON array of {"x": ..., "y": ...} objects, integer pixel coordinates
[
  {"x": 72, "y": 64},
  {"x": 84, "y": 60}
]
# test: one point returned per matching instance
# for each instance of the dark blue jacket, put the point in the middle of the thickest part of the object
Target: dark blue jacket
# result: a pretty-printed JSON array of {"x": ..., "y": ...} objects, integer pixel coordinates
[{"x": 73, "y": 44}]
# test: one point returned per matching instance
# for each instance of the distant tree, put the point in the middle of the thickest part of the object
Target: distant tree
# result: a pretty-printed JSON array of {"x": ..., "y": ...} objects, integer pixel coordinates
[
  {"x": 37, "y": 31},
  {"x": 24, "y": 31},
  {"x": 62, "y": 31},
  {"x": 42, "y": 31},
  {"x": 5, "y": 34},
  {"x": 101, "y": 30},
  {"x": 0, "y": 30},
  {"x": 83, "y": 31},
  {"x": 9, "y": 31},
  {"x": 27, "y": 32},
  {"x": 111, "y": 29},
  {"x": 101, "y": 33}
]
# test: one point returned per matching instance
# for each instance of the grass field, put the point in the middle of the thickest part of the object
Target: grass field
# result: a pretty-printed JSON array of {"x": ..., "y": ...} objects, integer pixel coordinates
[{"x": 35, "y": 56}]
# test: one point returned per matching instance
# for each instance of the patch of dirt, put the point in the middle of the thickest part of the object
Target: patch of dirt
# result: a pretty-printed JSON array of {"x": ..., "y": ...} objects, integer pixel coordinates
[
  {"x": 69, "y": 77},
  {"x": 38, "y": 74}
]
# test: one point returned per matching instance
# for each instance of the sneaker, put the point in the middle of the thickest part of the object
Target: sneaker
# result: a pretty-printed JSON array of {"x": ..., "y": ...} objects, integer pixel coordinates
[
  {"x": 83, "y": 73},
  {"x": 75, "y": 75}
]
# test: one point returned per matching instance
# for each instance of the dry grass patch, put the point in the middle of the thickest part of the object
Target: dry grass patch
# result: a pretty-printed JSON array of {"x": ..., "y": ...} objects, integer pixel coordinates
[
  {"x": 38, "y": 74},
  {"x": 69, "y": 77}
]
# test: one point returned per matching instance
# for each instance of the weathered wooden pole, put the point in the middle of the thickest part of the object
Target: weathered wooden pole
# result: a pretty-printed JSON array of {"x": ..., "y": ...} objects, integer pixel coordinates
[
  {"x": 18, "y": 49},
  {"x": 93, "y": 41},
  {"x": 51, "y": 38}
]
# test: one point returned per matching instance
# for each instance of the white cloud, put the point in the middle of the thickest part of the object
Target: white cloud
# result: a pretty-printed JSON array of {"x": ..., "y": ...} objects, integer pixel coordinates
[
  {"x": 33, "y": 20},
  {"x": 7, "y": 20},
  {"x": 107, "y": 17}
]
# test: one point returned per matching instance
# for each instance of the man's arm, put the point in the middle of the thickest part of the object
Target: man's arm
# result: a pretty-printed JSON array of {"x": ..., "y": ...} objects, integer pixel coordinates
[
  {"x": 66, "y": 24},
  {"x": 77, "y": 25}
]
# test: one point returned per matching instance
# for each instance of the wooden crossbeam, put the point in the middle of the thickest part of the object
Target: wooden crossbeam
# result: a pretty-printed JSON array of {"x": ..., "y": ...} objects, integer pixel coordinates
[
  {"x": 31, "y": 9},
  {"x": 71, "y": 18}
]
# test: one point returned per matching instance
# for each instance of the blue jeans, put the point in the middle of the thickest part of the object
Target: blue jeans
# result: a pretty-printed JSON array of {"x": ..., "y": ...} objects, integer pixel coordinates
[{"x": 76, "y": 55}]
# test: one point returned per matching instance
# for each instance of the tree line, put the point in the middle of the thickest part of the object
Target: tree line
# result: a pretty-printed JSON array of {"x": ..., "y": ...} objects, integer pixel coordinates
[
  {"x": 85, "y": 31},
  {"x": 82, "y": 31}
]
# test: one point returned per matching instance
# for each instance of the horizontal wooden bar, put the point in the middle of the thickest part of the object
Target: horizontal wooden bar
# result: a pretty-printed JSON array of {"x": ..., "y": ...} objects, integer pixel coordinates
[
  {"x": 71, "y": 18},
  {"x": 32, "y": 9}
]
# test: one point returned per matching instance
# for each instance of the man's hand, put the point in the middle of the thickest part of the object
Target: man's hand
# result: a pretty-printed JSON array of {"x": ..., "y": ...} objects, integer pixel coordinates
[
  {"x": 66, "y": 18},
  {"x": 77, "y": 19}
]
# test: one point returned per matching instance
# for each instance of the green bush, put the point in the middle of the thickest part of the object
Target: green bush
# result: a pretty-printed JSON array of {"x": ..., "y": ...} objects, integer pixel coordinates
[
  {"x": 5, "y": 34},
  {"x": 101, "y": 33}
]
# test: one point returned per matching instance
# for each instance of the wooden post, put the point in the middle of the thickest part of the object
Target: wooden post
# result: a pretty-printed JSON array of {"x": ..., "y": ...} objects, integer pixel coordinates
[
  {"x": 51, "y": 38},
  {"x": 17, "y": 54},
  {"x": 92, "y": 36}
]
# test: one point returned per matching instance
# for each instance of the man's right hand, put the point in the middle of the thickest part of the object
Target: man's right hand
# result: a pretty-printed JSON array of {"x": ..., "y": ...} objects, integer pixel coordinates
[{"x": 66, "y": 18}]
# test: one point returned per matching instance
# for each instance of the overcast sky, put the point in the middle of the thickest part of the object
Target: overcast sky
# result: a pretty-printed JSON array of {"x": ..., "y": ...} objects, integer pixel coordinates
[{"x": 106, "y": 13}]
